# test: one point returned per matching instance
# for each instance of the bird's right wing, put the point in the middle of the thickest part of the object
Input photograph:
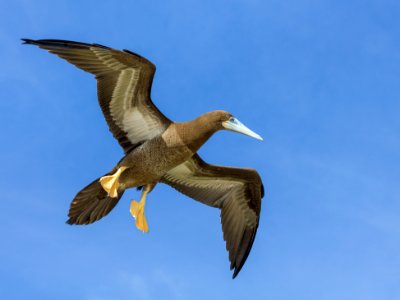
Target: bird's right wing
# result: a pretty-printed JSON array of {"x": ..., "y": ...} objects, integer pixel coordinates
[
  {"x": 124, "y": 82},
  {"x": 237, "y": 192}
]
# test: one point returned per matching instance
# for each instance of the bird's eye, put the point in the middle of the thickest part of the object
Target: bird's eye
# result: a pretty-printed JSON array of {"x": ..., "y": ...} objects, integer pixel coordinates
[{"x": 232, "y": 119}]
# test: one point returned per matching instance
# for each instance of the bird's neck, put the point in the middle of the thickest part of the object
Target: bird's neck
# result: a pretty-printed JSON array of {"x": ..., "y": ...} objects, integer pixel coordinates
[{"x": 195, "y": 133}]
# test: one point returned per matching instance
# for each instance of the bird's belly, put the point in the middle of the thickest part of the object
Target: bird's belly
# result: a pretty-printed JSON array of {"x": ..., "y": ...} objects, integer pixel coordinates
[{"x": 149, "y": 162}]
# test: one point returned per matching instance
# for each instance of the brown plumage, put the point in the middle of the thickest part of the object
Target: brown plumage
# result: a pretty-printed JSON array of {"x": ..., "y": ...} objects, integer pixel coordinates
[{"x": 159, "y": 150}]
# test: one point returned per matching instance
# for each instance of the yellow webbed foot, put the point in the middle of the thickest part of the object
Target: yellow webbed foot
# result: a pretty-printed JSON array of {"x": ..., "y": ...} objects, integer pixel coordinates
[
  {"x": 110, "y": 182},
  {"x": 137, "y": 211}
]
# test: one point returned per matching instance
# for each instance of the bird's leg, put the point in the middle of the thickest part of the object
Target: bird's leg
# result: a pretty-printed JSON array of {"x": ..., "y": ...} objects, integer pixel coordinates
[
  {"x": 110, "y": 182},
  {"x": 137, "y": 209}
]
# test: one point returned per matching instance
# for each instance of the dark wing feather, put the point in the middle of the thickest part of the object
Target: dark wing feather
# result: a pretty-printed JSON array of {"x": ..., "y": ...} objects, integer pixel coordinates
[
  {"x": 124, "y": 82},
  {"x": 237, "y": 192}
]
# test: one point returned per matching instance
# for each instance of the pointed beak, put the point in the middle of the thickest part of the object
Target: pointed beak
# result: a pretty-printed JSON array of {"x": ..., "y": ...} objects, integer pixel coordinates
[{"x": 234, "y": 124}]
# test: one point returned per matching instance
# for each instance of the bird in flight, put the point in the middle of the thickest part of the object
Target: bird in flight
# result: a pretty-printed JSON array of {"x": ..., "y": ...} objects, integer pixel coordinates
[{"x": 160, "y": 150}]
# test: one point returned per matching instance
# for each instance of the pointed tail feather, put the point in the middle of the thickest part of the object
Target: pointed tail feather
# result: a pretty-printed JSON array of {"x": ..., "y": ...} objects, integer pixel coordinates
[{"x": 91, "y": 204}]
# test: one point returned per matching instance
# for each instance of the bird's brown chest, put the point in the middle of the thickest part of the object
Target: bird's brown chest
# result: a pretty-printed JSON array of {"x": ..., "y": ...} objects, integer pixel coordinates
[{"x": 150, "y": 161}]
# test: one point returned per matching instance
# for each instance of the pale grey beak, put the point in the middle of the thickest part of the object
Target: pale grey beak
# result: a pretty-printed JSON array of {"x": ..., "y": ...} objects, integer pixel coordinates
[{"x": 234, "y": 124}]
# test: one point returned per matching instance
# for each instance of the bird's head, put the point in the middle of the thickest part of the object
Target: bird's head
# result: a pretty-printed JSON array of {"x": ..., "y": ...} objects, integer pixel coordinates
[{"x": 223, "y": 120}]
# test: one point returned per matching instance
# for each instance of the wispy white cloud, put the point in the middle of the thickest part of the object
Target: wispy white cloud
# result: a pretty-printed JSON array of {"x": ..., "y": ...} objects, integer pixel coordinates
[{"x": 140, "y": 285}]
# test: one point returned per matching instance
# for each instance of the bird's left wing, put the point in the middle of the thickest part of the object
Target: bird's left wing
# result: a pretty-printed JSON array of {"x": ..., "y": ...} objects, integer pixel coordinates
[
  {"x": 124, "y": 81},
  {"x": 237, "y": 192}
]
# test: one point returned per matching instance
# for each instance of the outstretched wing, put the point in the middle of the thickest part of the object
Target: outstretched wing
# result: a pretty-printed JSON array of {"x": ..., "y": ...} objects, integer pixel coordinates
[
  {"x": 123, "y": 85},
  {"x": 237, "y": 192}
]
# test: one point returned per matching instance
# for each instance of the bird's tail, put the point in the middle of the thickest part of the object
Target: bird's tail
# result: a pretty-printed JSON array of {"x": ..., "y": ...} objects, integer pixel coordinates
[{"x": 91, "y": 204}]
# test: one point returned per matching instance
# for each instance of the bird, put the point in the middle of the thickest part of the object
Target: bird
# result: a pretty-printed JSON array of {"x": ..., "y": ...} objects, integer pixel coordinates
[{"x": 158, "y": 150}]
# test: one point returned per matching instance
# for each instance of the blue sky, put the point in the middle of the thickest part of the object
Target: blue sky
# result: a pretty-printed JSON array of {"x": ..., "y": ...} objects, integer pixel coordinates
[{"x": 319, "y": 80}]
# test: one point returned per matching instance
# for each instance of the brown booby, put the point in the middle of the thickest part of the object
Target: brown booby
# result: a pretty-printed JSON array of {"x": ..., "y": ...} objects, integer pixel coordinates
[{"x": 159, "y": 150}]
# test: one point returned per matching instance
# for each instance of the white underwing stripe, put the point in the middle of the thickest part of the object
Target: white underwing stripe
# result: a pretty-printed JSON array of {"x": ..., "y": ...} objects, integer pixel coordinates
[
  {"x": 125, "y": 89},
  {"x": 106, "y": 57},
  {"x": 139, "y": 125},
  {"x": 121, "y": 97}
]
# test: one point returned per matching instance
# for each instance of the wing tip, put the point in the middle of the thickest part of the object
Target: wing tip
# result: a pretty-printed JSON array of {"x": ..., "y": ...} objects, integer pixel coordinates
[
  {"x": 236, "y": 271},
  {"x": 60, "y": 43},
  {"x": 70, "y": 221},
  {"x": 239, "y": 261},
  {"x": 28, "y": 41}
]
